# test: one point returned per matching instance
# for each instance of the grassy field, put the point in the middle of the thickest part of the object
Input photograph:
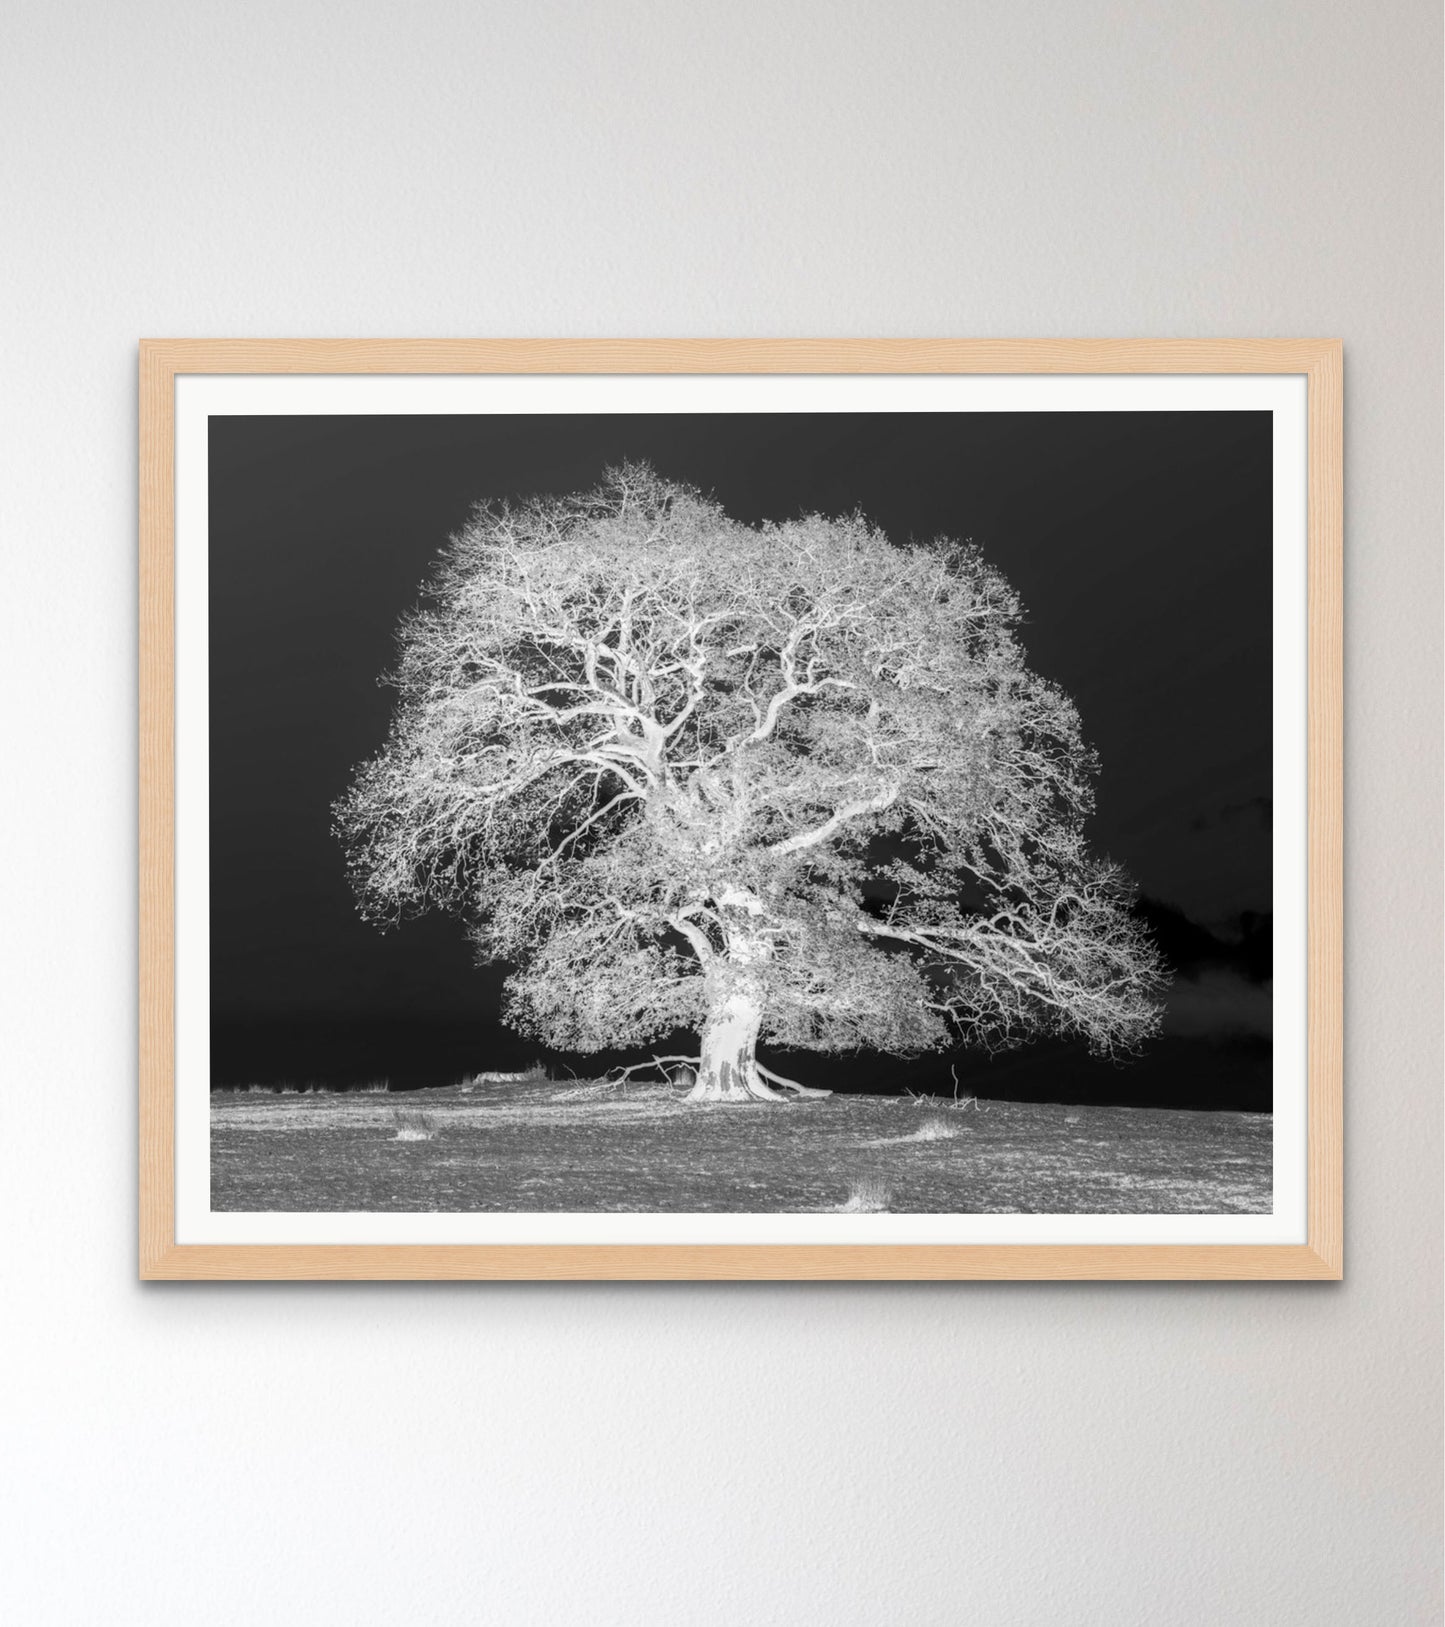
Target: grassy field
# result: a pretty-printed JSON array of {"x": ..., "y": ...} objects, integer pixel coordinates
[{"x": 536, "y": 1146}]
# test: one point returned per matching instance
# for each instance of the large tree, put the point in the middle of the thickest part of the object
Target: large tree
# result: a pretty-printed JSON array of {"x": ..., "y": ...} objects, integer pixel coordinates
[{"x": 790, "y": 782}]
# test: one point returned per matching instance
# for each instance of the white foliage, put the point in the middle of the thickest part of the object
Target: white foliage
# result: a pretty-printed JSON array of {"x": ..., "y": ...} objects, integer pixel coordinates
[{"x": 656, "y": 757}]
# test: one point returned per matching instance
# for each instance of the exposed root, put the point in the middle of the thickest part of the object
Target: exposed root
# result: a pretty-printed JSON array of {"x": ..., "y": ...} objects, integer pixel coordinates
[
  {"x": 733, "y": 1085},
  {"x": 791, "y": 1084},
  {"x": 753, "y": 1085}
]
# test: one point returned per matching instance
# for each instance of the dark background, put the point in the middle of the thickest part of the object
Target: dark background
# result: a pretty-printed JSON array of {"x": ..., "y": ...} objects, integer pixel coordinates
[{"x": 1140, "y": 543}]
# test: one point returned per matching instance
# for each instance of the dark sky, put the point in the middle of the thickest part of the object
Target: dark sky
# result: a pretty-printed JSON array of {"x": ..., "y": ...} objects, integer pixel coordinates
[{"x": 1140, "y": 543}]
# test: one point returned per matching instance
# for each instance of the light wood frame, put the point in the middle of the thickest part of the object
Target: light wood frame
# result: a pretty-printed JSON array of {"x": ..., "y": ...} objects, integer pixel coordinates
[{"x": 1321, "y": 363}]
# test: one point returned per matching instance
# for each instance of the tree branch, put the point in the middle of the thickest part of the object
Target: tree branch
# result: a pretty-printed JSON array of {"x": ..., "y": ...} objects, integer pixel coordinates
[
  {"x": 695, "y": 936},
  {"x": 849, "y": 810}
]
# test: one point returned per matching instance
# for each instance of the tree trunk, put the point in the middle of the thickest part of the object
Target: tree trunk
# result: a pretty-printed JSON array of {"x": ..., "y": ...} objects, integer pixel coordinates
[{"x": 728, "y": 1071}]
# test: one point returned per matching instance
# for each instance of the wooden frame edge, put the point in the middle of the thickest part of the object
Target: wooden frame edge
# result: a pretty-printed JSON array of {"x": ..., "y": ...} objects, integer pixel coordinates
[
  {"x": 157, "y": 807},
  {"x": 740, "y": 1263},
  {"x": 1325, "y": 803},
  {"x": 737, "y": 355},
  {"x": 1320, "y": 1259}
]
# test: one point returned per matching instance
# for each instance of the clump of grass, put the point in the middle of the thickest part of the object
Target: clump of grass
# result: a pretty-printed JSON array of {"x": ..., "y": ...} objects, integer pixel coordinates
[
  {"x": 273, "y": 1087},
  {"x": 307, "y": 1087},
  {"x": 536, "y": 1074},
  {"x": 936, "y": 1129},
  {"x": 868, "y": 1195},
  {"x": 412, "y": 1124},
  {"x": 596, "y": 1090},
  {"x": 614, "y": 1093}
]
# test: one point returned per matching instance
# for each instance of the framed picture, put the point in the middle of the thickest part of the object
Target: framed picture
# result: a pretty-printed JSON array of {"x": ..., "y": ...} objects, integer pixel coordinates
[{"x": 740, "y": 809}]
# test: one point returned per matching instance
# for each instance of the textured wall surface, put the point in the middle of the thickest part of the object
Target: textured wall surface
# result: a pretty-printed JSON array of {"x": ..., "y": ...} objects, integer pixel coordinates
[{"x": 673, "y": 1454}]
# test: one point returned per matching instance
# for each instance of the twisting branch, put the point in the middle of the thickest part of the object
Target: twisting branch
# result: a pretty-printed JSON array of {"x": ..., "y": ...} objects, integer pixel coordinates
[{"x": 850, "y": 810}]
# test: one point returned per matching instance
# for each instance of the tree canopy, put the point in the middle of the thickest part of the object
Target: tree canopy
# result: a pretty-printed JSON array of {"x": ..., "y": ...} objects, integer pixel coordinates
[{"x": 792, "y": 782}]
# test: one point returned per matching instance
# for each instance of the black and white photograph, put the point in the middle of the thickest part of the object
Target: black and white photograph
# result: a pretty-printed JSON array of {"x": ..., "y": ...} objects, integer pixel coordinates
[
  {"x": 799, "y": 813},
  {"x": 723, "y": 775}
]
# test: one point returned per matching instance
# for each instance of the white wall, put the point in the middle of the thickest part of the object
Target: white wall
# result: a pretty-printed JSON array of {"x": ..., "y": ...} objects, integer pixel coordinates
[{"x": 691, "y": 1454}]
